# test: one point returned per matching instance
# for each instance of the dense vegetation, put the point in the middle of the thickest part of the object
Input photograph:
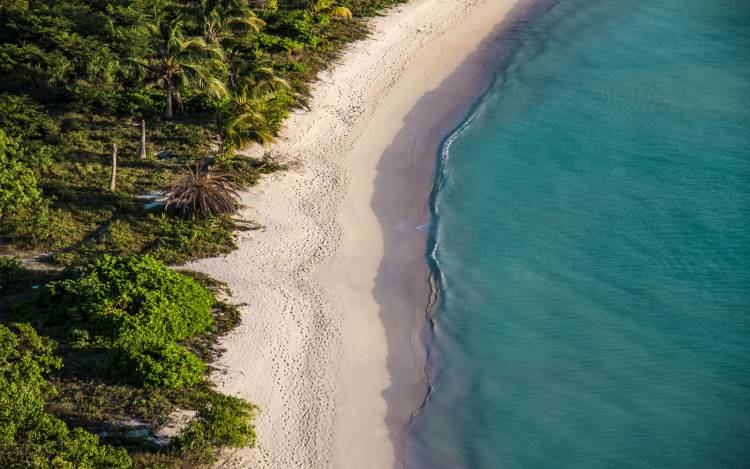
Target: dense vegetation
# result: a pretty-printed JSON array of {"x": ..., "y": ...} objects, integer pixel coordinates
[
  {"x": 136, "y": 310},
  {"x": 29, "y": 436},
  {"x": 136, "y": 340},
  {"x": 208, "y": 78},
  {"x": 122, "y": 126}
]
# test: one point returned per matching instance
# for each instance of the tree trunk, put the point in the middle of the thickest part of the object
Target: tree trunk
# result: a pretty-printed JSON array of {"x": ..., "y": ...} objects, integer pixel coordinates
[
  {"x": 113, "y": 178},
  {"x": 143, "y": 140},
  {"x": 168, "y": 110}
]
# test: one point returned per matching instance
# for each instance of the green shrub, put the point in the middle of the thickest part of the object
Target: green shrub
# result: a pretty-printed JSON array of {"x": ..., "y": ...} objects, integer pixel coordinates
[
  {"x": 139, "y": 309},
  {"x": 182, "y": 240},
  {"x": 27, "y": 68},
  {"x": 22, "y": 118},
  {"x": 117, "y": 296},
  {"x": 294, "y": 24},
  {"x": 201, "y": 102},
  {"x": 30, "y": 437},
  {"x": 271, "y": 43},
  {"x": 23, "y": 210},
  {"x": 141, "y": 102},
  {"x": 11, "y": 272},
  {"x": 223, "y": 422},
  {"x": 167, "y": 365}
]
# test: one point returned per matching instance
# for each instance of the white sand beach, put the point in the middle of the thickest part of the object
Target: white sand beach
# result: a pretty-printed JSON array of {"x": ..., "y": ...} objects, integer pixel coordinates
[{"x": 333, "y": 288}]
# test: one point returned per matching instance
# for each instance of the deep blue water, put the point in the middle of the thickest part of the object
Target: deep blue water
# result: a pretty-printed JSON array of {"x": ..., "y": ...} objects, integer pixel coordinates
[{"x": 593, "y": 241}]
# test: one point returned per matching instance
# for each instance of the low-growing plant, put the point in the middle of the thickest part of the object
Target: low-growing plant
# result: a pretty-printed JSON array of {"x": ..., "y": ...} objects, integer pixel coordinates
[
  {"x": 22, "y": 118},
  {"x": 166, "y": 365},
  {"x": 113, "y": 296},
  {"x": 223, "y": 422},
  {"x": 29, "y": 436},
  {"x": 11, "y": 272},
  {"x": 179, "y": 240},
  {"x": 331, "y": 9},
  {"x": 138, "y": 309},
  {"x": 23, "y": 209}
]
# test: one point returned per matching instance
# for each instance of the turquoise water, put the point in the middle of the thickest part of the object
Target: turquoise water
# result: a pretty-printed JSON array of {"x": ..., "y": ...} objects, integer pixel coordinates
[{"x": 593, "y": 242}]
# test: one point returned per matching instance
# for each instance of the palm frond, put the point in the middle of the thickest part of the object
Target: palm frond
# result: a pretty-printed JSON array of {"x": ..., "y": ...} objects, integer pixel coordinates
[
  {"x": 252, "y": 23},
  {"x": 341, "y": 12},
  {"x": 203, "y": 192},
  {"x": 203, "y": 76},
  {"x": 322, "y": 5}
]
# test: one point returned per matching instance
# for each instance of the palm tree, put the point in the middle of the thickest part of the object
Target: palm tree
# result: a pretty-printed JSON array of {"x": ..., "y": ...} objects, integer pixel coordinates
[
  {"x": 183, "y": 61},
  {"x": 244, "y": 122},
  {"x": 256, "y": 74},
  {"x": 221, "y": 23},
  {"x": 329, "y": 7},
  {"x": 203, "y": 192}
]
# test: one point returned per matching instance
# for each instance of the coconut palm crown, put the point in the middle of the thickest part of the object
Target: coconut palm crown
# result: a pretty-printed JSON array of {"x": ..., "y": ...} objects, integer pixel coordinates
[
  {"x": 244, "y": 121},
  {"x": 330, "y": 8},
  {"x": 224, "y": 22},
  {"x": 182, "y": 61}
]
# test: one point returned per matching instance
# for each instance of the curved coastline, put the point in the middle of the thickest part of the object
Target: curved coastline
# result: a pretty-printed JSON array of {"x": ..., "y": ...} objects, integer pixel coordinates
[
  {"x": 523, "y": 12},
  {"x": 333, "y": 288},
  {"x": 406, "y": 288}
]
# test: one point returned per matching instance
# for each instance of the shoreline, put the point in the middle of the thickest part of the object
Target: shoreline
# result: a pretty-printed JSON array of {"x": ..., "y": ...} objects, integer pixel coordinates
[{"x": 333, "y": 294}]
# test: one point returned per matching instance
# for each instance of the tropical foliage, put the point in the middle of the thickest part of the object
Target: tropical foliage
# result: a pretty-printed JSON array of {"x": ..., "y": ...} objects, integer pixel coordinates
[
  {"x": 223, "y": 21},
  {"x": 224, "y": 422},
  {"x": 330, "y": 8},
  {"x": 29, "y": 436},
  {"x": 137, "y": 310},
  {"x": 136, "y": 340},
  {"x": 211, "y": 79},
  {"x": 22, "y": 207},
  {"x": 183, "y": 61}
]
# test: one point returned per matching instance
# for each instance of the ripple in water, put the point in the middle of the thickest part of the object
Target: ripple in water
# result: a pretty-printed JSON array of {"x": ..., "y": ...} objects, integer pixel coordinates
[{"x": 594, "y": 248}]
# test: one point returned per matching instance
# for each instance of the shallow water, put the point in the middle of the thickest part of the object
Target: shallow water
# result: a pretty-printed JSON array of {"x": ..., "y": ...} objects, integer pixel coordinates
[{"x": 593, "y": 242}]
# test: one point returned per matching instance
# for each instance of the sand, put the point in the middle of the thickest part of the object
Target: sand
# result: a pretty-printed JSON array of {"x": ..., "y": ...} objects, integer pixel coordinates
[{"x": 333, "y": 288}]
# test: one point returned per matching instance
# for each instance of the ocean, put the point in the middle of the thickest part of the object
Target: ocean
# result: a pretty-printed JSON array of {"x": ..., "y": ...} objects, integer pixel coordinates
[{"x": 591, "y": 244}]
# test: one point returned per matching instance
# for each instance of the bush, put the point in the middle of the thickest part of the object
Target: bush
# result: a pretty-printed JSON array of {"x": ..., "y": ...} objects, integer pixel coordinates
[
  {"x": 182, "y": 240},
  {"x": 23, "y": 210},
  {"x": 294, "y": 24},
  {"x": 167, "y": 365},
  {"x": 22, "y": 118},
  {"x": 117, "y": 296},
  {"x": 11, "y": 272},
  {"x": 201, "y": 102},
  {"x": 29, "y": 437},
  {"x": 141, "y": 102},
  {"x": 223, "y": 422},
  {"x": 27, "y": 68},
  {"x": 138, "y": 308}
]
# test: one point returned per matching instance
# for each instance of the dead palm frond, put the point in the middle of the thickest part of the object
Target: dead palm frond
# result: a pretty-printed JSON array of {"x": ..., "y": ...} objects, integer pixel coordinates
[{"x": 202, "y": 192}]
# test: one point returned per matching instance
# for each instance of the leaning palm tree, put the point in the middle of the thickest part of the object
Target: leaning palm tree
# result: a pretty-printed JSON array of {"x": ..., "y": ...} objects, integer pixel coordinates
[
  {"x": 222, "y": 22},
  {"x": 245, "y": 121},
  {"x": 203, "y": 192},
  {"x": 183, "y": 61}
]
